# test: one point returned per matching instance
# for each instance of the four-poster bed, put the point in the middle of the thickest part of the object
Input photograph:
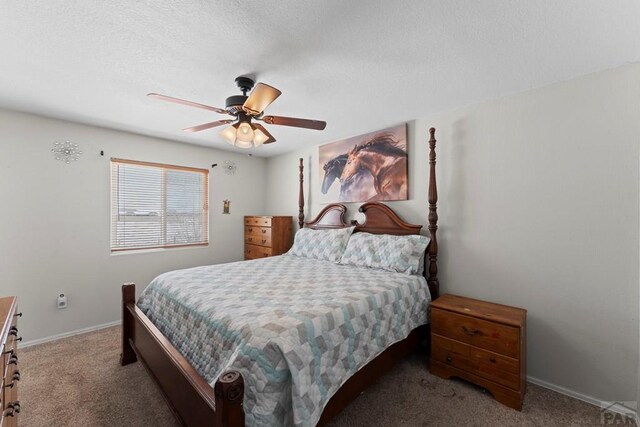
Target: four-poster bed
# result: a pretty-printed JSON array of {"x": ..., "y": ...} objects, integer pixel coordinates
[{"x": 196, "y": 403}]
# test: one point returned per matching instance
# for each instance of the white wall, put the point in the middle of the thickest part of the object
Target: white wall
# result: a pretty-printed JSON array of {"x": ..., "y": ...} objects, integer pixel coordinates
[
  {"x": 538, "y": 209},
  {"x": 55, "y": 219}
]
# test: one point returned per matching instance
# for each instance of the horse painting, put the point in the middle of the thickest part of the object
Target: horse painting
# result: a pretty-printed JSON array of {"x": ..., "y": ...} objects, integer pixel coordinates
[
  {"x": 359, "y": 186},
  {"x": 366, "y": 168},
  {"x": 332, "y": 171},
  {"x": 386, "y": 163}
]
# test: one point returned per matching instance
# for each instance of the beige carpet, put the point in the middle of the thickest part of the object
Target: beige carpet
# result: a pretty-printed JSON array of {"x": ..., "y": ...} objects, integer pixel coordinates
[{"x": 78, "y": 381}]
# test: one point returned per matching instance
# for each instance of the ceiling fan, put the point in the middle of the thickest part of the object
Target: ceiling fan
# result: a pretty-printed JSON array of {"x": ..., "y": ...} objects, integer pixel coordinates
[{"x": 243, "y": 132}]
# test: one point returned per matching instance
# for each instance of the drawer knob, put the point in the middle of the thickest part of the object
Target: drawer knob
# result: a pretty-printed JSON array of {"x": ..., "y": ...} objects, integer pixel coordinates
[
  {"x": 449, "y": 359},
  {"x": 264, "y": 240},
  {"x": 470, "y": 332},
  {"x": 265, "y": 254},
  {"x": 18, "y": 314},
  {"x": 250, "y": 239},
  {"x": 492, "y": 359},
  {"x": 264, "y": 231},
  {"x": 13, "y": 360}
]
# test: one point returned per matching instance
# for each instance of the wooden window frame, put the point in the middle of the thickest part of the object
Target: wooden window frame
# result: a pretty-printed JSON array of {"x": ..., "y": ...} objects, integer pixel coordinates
[{"x": 164, "y": 167}]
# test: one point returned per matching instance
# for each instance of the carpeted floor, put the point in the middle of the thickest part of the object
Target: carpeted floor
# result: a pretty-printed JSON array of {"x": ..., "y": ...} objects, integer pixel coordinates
[{"x": 78, "y": 381}]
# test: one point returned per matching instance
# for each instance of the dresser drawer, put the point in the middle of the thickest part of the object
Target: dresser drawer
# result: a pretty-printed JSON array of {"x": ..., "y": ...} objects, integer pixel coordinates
[
  {"x": 257, "y": 231},
  {"x": 10, "y": 396},
  {"x": 449, "y": 352},
  {"x": 254, "y": 251},
  {"x": 257, "y": 240},
  {"x": 257, "y": 220},
  {"x": 9, "y": 361},
  {"x": 480, "y": 333}
]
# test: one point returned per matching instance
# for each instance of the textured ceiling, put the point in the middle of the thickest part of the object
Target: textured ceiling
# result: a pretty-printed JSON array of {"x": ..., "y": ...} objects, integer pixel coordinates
[{"x": 360, "y": 66}]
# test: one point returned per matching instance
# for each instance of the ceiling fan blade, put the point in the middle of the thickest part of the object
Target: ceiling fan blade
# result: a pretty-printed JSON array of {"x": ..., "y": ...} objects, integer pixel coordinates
[
  {"x": 260, "y": 98},
  {"x": 263, "y": 130},
  {"x": 294, "y": 122},
  {"x": 207, "y": 126},
  {"x": 188, "y": 103}
]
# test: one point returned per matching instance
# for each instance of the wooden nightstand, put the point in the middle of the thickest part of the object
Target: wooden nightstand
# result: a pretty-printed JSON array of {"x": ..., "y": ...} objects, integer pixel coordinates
[
  {"x": 266, "y": 236},
  {"x": 481, "y": 342}
]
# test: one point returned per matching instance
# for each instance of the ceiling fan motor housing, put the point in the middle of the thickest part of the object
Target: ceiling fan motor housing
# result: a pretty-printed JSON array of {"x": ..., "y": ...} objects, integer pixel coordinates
[{"x": 234, "y": 103}]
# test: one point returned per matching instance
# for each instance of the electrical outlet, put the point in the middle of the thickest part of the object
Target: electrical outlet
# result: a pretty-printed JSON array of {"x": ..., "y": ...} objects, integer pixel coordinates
[{"x": 62, "y": 301}]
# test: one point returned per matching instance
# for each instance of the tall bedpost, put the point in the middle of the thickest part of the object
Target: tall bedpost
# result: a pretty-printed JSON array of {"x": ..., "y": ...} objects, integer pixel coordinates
[
  {"x": 301, "y": 195},
  {"x": 432, "y": 279}
]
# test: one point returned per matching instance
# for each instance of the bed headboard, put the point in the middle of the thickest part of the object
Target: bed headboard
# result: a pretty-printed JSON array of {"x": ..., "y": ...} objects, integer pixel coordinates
[
  {"x": 381, "y": 219},
  {"x": 332, "y": 216}
]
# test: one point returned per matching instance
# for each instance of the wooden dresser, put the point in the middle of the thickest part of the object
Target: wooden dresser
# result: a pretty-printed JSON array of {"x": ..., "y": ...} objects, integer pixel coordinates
[
  {"x": 266, "y": 236},
  {"x": 11, "y": 375},
  {"x": 481, "y": 342}
]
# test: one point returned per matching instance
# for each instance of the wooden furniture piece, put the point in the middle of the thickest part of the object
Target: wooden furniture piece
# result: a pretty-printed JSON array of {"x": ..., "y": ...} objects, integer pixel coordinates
[
  {"x": 483, "y": 343},
  {"x": 9, "y": 403},
  {"x": 190, "y": 397},
  {"x": 266, "y": 236}
]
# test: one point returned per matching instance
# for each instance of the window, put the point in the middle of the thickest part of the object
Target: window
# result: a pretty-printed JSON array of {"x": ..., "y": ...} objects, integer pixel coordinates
[{"x": 158, "y": 206}]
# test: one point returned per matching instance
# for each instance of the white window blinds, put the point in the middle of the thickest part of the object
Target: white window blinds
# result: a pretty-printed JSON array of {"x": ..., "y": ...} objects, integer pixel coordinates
[{"x": 158, "y": 206}]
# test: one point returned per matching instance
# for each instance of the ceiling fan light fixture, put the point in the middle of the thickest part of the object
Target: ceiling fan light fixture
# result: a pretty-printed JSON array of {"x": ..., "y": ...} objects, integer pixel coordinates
[
  {"x": 229, "y": 134},
  {"x": 259, "y": 137},
  {"x": 244, "y": 144},
  {"x": 245, "y": 132}
]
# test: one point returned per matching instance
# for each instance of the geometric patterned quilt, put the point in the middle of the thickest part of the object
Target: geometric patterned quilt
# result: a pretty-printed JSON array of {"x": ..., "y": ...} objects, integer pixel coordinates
[{"x": 295, "y": 328}]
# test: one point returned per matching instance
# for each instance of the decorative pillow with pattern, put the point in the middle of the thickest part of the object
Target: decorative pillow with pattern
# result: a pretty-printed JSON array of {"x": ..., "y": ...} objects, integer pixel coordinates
[
  {"x": 401, "y": 254},
  {"x": 326, "y": 245}
]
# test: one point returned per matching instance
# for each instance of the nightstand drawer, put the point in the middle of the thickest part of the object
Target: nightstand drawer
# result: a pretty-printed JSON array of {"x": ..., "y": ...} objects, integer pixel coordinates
[
  {"x": 499, "y": 377},
  {"x": 257, "y": 220},
  {"x": 488, "y": 361},
  {"x": 480, "y": 333},
  {"x": 449, "y": 352},
  {"x": 253, "y": 252},
  {"x": 257, "y": 231},
  {"x": 253, "y": 239}
]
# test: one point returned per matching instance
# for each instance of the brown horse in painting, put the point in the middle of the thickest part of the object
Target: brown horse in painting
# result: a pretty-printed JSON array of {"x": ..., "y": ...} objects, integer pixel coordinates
[{"x": 387, "y": 163}]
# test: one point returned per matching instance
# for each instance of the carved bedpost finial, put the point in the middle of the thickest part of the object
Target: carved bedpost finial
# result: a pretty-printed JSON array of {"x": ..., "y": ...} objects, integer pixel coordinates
[
  {"x": 432, "y": 278},
  {"x": 229, "y": 395},
  {"x": 301, "y": 195}
]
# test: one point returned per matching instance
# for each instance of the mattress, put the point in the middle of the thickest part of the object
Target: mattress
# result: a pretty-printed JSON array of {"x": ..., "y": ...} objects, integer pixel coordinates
[{"x": 295, "y": 328}]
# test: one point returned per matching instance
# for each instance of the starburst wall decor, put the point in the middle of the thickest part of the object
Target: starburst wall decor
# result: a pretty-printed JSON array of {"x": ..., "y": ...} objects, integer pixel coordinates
[
  {"x": 229, "y": 167},
  {"x": 66, "y": 151}
]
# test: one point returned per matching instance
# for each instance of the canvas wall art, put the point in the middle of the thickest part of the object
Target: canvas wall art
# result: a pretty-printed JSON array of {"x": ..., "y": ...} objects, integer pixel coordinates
[{"x": 365, "y": 168}]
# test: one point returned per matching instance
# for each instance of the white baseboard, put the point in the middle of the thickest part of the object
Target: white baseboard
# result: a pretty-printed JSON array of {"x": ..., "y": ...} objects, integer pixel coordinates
[
  {"x": 617, "y": 408},
  {"x": 69, "y": 334}
]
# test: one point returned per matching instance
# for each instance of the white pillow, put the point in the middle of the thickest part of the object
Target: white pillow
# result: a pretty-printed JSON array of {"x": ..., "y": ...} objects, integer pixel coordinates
[
  {"x": 326, "y": 245},
  {"x": 401, "y": 254}
]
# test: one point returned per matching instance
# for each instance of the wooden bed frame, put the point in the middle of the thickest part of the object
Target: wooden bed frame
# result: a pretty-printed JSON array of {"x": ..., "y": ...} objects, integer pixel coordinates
[{"x": 195, "y": 403}]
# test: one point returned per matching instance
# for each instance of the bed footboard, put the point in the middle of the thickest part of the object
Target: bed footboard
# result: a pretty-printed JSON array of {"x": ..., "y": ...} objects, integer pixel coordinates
[{"x": 190, "y": 397}]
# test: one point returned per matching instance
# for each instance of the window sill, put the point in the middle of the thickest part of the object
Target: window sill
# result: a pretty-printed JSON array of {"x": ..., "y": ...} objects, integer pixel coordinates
[{"x": 153, "y": 250}]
